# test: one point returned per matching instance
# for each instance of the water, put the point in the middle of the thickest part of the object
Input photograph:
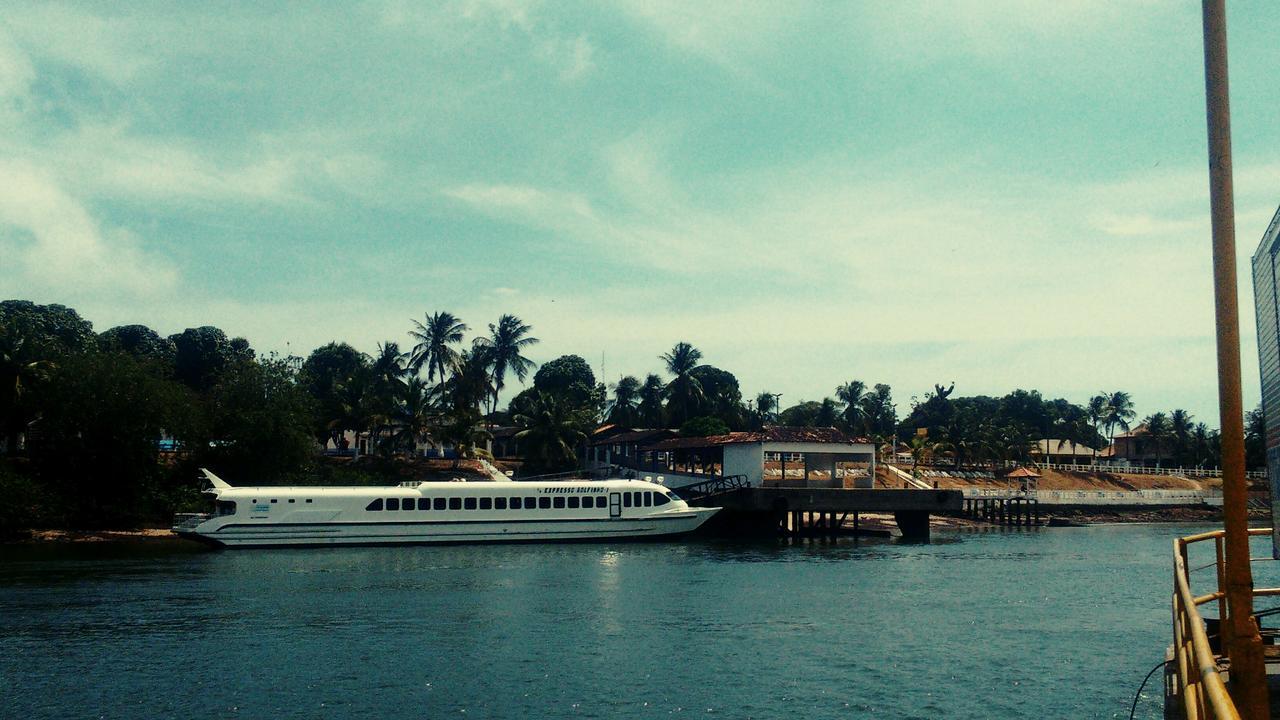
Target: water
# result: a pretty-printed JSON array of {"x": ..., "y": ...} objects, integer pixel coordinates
[{"x": 1049, "y": 623}]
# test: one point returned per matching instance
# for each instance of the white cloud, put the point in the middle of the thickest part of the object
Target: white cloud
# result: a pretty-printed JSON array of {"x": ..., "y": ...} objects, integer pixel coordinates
[{"x": 61, "y": 247}]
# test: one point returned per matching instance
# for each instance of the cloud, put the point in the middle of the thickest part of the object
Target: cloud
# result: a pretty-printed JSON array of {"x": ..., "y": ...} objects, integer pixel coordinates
[{"x": 61, "y": 247}]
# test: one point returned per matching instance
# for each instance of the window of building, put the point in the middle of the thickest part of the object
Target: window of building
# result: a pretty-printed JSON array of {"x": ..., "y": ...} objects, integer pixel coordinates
[
  {"x": 469, "y": 504},
  {"x": 515, "y": 503},
  {"x": 500, "y": 503},
  {"x": 544, "y": 502},
  {"x": 559, "y": 502},
  {"x": 393, "y": 503},
  {"x": 573, "y": 502},
  {"x": 424, "y": 503},
  {"x": 588, "y": 501},
  {"x": 455, "y": 503},
  {"x": 486, "y": 503},
  {"x": 626, "y": 499},
  {"x": 375, "y": 505}
]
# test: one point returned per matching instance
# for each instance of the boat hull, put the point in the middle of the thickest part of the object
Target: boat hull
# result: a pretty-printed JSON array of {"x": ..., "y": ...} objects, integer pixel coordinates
[{"x": 335, "y": 534}]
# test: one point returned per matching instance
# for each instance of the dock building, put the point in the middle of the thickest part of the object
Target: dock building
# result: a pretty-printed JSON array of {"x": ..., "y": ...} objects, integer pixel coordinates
[{"x": 1266, "y": 272}]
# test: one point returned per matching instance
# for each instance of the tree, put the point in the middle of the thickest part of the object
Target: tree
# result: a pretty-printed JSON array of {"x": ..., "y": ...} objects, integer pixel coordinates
[
  {"x": 1255, "y": 439},
  {"x": 434, "y": 348},
  {"x": 684, "y": 392},
  {"x": 33, "y": 340},
  {"x": 766, "y": 405},
  {"x": 1158, "y": 430},
  {"x": 551, "y": 434},
  {"x": 506, "y": 341},
  {"x": 414, "y": 417},
  {"x": 703, "y": 426},
  {"x": 1180, "y": 429},
  {"x": 802, "y": 414},
  {"x": 325, "y": 370},
  {"x": 1118, "y": 414},
  {"x": 626, "y": 399},
  {"x": 853, "y": 394},
  {"x": 721, "y": 395},
  {"x": 202, "y": 355},
  {"x": 650, "y": 409},
  {"x": 20, "y": 369},
  {"x": 141, "y": 342},
  {"x": 1097, "y": 413}
]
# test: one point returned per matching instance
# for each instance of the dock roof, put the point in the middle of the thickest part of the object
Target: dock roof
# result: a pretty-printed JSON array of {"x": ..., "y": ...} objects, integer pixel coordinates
[{"x": 780, "y": 434}]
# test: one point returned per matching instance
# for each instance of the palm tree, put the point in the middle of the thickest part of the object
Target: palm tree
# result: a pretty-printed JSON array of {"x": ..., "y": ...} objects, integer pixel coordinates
[
  {"x": 827, "y": 414},
  {"x": 471, "y": 384},
  {"x": 414, "y": 415},
  {"x": 435, "y": 338},
  {"x": 626, "y": 396},
  {"x": 1118, "y": 414},
  {"x": 766, "y": 405},
  {"x": 651, "y": 401},
  {"x": 684, "y": 392},
  {"x": 505, "y": 343},
  {"x": 1180, "y": 427},
  {"x": 550, "y": 435},
  {"x": 1096, "y": 411},
  {"x": 854, "y": 395},
  {"x": 1158, "y": 430}
]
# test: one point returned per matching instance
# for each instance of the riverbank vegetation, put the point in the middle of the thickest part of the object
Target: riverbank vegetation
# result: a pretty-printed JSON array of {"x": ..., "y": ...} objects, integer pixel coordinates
[{"x": 107, "y": 429}]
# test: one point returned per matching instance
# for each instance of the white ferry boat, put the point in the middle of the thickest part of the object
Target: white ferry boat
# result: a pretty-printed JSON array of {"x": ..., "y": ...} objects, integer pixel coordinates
[{"x": 439, "y": 512}]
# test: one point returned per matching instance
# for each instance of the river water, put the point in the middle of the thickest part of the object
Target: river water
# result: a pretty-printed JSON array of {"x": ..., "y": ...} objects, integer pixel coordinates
[{"x": 975, "y": 624}]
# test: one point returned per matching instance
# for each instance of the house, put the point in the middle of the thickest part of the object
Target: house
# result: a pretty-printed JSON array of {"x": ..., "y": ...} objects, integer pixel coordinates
[
  {"x": 1062, "y": 452},
  {"x": 1134, "y": 448}
]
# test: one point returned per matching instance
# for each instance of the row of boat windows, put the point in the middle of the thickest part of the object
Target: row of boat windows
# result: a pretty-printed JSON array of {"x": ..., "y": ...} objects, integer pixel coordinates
[{"x": 571, "y": 502}]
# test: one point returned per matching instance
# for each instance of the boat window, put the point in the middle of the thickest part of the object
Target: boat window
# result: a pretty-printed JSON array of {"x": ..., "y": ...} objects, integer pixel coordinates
[
  {"x": 424, "y": 503},
  {"x": 515, "y": 503},
  {"x": 626, "y": 499},
  {"x": 226, "y": 507},
  {"x": 601, "y": 501},
  {"x": 660, "y": 499},
  {"x": 573, "y": 502},
  {"x": 292, "y": 500},
  {"x": 407, "y": 504},
  {"x": 274, "y": 500},
  {"x": 499, "y": 503},
  {"x": 559, "y": 502},
  {"x": 588, "y": 501},
  {"x": 455, "y": 503},
  {"x": 673, "y": 496},
  {"x": 486, "y": 503},
  {"x": 469, "y": 503},
  {"x": 393, "y": 503},
  {"x": 308, "y": 499},
  {"x": 636, "y": 497},
  {"x": 544, "y": 502},
  {"x": 438, "y": 503},
  {"x": 375, "y": 505},
  {"x": 648, "y": 499}
]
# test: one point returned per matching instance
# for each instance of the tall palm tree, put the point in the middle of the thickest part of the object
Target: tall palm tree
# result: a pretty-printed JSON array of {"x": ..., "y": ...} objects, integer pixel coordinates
[
  {"x": 1158, "y": 430},
  {"x": 854, "y": 395},
  {"x": 684, "y": 392},
  {"x": 626, "y": 396},
  {"x": 1096, "y": 411},
  {"x": 506, "y": 341},
  {"x": 435, "y": 340},
  {"x": 1181, "y": 427},
  {"x": 414, "y": 416},
  {"x": 651, "y": 401},
  {"x": 1119, "y": 413},
  {"x": 766, "y": 405},
  {"x": 827, "y": 413}
]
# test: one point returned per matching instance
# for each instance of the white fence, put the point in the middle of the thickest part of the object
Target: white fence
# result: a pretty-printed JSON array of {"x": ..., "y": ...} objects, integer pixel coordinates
[
  {"x": 1137, "y": 470},
  {"x": 1102, "y": 497}
]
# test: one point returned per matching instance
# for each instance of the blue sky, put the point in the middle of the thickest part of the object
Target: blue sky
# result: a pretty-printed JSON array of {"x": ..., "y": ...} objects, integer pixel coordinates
[{"x": 1001, "y": 194}]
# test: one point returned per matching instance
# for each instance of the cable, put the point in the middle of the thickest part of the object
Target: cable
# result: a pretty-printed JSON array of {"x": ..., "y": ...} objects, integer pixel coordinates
[{"x": 1134, "y": 708}]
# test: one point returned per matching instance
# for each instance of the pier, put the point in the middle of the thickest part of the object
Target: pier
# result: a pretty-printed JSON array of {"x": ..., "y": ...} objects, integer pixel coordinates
[{"x": 1011, "y": 511}]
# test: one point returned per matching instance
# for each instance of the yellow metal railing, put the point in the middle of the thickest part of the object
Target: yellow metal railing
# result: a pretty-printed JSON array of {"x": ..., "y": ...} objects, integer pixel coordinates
[{"x": 1196, "y": 666}]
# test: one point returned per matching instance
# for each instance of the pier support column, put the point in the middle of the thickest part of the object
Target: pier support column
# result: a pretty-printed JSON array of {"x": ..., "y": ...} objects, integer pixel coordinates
[{"x": 914, "y": 524}]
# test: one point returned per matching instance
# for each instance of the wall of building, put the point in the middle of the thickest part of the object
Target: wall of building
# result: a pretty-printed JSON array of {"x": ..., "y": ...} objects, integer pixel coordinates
[
  {"x": 745, "y": 459},
  {"x": 1266, "y": 302}
]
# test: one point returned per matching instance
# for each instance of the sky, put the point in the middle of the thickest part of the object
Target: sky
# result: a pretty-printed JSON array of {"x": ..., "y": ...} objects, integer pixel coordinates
[{"x": 994, "y": 193}]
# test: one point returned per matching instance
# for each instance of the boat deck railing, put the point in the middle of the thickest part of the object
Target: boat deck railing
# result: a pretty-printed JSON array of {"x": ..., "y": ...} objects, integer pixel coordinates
[{"x": 1198, "y": 663}]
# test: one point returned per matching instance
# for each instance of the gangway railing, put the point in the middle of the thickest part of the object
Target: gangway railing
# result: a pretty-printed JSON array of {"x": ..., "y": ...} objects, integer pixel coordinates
[
  {"x": 715, "y": 486},
  {"x": 1196, "y": 669}
]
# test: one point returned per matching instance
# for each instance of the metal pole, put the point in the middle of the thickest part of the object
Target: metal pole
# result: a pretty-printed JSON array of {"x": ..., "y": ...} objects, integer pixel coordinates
[{"x": 1244, "y": 648}]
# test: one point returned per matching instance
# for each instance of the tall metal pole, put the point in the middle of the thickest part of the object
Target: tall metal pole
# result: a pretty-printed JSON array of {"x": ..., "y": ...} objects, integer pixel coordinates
[{"x": 1244, "y": 644}]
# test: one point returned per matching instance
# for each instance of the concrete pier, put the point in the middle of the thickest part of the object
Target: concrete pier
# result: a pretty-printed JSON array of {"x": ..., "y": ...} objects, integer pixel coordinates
[{"x": 827, "y": 508}]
